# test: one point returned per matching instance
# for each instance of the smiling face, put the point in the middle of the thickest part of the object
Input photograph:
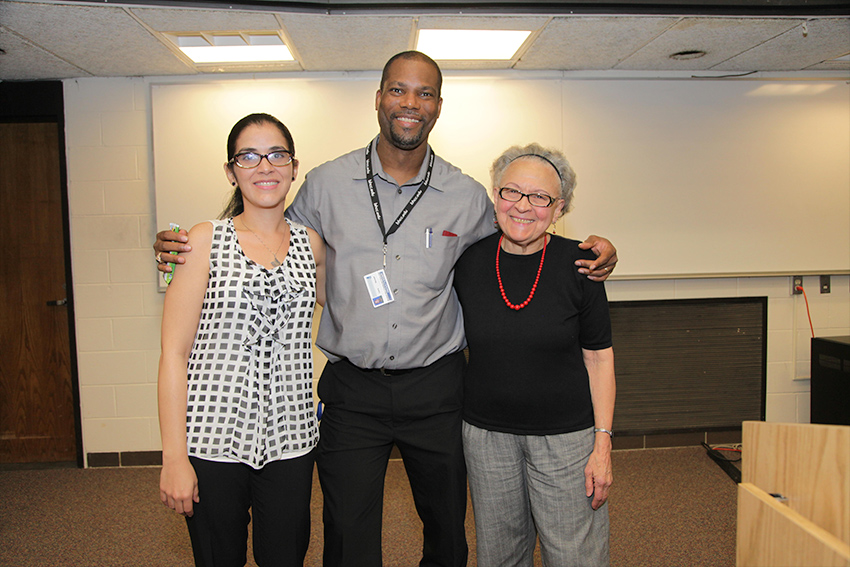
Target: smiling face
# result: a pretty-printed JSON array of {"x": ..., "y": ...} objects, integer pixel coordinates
[
  {"x": 264, "y": 186},
  {"x": 408, "y": 103},
  {"x": 523, "y": 225}
]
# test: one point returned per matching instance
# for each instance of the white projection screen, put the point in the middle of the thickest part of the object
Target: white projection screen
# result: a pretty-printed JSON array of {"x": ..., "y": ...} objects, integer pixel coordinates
[{"x": 689, "y": 178}]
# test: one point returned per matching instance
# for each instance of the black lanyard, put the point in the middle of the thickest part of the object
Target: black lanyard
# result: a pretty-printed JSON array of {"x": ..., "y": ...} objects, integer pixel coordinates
[{"x": 376, "y": 203}]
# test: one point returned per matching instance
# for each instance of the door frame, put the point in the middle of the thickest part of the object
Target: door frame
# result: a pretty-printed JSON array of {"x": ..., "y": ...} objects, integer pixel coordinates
[{"x": 44, "y": 101}]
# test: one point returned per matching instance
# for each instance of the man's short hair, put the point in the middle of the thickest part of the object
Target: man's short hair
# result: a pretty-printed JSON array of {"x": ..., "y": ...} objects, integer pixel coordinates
[{"x": 413, "y": 55}]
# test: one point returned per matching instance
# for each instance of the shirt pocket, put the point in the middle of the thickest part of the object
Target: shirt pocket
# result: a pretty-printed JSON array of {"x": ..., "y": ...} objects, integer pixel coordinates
[{"x": 438, "y": 261}]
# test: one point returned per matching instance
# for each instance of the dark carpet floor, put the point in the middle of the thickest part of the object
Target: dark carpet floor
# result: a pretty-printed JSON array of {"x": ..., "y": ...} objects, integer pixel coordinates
[{"x": 669, "y": 508}]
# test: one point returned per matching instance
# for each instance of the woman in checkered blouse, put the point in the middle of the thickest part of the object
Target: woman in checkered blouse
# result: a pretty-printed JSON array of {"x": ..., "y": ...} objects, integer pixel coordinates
[{"x": 236, "y": 375}]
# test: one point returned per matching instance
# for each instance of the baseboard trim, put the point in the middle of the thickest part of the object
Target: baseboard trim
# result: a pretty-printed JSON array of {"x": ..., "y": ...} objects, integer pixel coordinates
[
  {"x": 657, "y": 441},
  {"x": 676, "y": 439},
  {"x": 125, "y": 459}
]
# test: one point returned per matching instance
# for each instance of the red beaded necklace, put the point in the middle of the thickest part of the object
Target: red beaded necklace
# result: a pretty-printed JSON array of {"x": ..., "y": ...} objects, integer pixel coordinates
[{"x": 533, "y": 288}]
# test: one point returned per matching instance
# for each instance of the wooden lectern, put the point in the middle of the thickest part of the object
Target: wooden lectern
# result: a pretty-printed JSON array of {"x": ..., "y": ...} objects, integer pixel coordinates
[{"x": 794, "y": 498}]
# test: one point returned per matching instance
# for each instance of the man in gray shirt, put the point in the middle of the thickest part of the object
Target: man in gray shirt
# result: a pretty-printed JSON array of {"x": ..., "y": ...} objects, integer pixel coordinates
[{"x": 395, "y": 218}]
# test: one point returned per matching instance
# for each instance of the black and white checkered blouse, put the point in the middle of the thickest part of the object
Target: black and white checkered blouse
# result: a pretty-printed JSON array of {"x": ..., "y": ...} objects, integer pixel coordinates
[{"x": 251, "y": 368}]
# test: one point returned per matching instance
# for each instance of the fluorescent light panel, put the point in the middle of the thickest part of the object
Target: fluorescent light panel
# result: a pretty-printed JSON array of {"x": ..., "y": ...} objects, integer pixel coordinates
[
  {"x": 233, "y": 48},
  {"x": 470, "y": 44}
]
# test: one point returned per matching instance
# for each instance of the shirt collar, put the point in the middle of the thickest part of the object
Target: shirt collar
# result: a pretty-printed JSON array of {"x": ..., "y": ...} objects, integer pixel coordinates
[{"x": 379, "y": 169}]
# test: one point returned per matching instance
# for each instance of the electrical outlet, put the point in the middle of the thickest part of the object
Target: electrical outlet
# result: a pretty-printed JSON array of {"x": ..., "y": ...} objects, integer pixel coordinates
[
  {"x": 796, "y": 282},
  {"x": 824, "y": 284}
]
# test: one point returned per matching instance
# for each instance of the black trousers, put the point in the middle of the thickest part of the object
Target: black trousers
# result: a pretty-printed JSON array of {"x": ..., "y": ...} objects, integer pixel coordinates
[
  {"x": 279, "y": 498},
  {"x": 366, "y": 413}
]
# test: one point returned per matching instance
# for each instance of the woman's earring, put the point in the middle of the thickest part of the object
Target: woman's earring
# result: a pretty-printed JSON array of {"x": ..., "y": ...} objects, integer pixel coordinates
[
  {"x": 233, "y": 183},
  {"x": 495, "y": 220}
]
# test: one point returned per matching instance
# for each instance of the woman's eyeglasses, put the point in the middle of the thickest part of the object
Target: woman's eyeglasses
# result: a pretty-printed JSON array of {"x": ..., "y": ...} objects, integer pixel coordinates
[
  {"x": 250, "y": 160},
  {"x": 535, "y": 199}
]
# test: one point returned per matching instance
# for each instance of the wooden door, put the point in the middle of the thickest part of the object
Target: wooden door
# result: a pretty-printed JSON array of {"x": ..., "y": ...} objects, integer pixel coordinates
[{"x": 37, "y": 417}]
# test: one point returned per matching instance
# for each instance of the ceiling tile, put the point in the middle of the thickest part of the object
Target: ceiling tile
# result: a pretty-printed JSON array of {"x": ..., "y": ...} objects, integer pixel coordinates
[
  {"x": 105, "y": 42},
  {"x": 831, "y": 66},
  {"x": 826, "y": 39},
  {"x": 347, "y": 43},
  {"x": 720, "y": 38},
  {"x": 24, "y": 61},
  {"x": 530, "y": 23},
  {"x": 598, "y": 43},
  {"x": 54, "y": 39},
  {"x": 173, "y": 20}
]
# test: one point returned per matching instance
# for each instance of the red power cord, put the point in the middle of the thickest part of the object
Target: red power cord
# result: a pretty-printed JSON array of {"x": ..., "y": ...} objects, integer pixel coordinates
[{"x": 808, "y": 312}]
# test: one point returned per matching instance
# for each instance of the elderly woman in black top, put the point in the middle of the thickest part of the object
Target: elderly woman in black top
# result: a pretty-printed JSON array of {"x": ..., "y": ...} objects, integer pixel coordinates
[{"x": 539, "y": 390}]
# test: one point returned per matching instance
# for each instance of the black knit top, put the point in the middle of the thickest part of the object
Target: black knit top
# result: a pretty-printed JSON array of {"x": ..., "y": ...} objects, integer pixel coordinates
[{"x": 526, "y": 374}]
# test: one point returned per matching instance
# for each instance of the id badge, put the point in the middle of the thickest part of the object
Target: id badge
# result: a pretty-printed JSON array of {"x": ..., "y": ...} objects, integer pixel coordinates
[{"x": 379, "y": 288}]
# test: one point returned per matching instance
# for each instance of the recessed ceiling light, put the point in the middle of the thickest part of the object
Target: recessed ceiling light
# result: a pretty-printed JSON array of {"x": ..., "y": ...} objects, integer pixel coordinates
[
  {"x": 470, "y": 44},
  {"x": 688, "y": 55},
  {"x": 234, "y": 48}
]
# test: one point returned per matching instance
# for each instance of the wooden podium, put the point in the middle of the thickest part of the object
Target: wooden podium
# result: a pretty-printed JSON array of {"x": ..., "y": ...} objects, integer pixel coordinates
[{"x": 809, "y": 467}]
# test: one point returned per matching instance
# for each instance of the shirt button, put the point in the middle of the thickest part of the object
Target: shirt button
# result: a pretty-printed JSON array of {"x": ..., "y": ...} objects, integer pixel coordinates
[
  {"x": 395, "y": 291},
  {"x": 397, "y": 257},
  {"x": 395, "y": 326},
  {"x": 399, "y": 191},
  {"x": 392, "y": 358}
]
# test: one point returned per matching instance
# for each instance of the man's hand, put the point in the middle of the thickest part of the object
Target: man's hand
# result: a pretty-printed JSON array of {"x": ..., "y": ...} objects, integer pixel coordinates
[
  {"x": 169, "y": 241},
  {"x": 606, "y": 258}
]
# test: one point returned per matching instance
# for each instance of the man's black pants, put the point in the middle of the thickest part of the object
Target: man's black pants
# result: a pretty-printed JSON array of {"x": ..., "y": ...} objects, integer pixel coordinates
[{"x": 366, "y": 412}]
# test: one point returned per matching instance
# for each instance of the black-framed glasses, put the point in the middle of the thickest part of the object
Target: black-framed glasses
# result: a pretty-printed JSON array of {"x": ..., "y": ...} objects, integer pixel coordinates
[
  {"x": 541, "y": 200},
  {"x": 250, "y": 160}
]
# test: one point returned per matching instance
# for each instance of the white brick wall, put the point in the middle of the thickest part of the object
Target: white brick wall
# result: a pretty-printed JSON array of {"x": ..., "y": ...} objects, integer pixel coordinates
[{"x": 117, "y": 304}]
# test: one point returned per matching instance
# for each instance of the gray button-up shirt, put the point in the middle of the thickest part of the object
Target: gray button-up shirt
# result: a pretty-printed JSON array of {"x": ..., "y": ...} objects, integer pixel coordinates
[{"x": 424, "y": 323}]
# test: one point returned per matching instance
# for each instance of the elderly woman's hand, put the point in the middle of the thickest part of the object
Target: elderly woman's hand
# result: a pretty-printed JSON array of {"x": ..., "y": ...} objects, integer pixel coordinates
[
  {"x": 606, "y": 258},
  {"x": 598, "y": 475}
]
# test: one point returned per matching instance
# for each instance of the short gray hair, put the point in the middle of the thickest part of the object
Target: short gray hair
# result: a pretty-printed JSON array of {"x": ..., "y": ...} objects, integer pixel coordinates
[{"x": 554, "y": 157}]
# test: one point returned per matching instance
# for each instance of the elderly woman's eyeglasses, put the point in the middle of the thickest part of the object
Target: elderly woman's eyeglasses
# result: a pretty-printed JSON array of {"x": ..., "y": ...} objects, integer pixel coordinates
[
  {"x": 250, "y": 160},
  {"x": 535, "y": 199}
]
